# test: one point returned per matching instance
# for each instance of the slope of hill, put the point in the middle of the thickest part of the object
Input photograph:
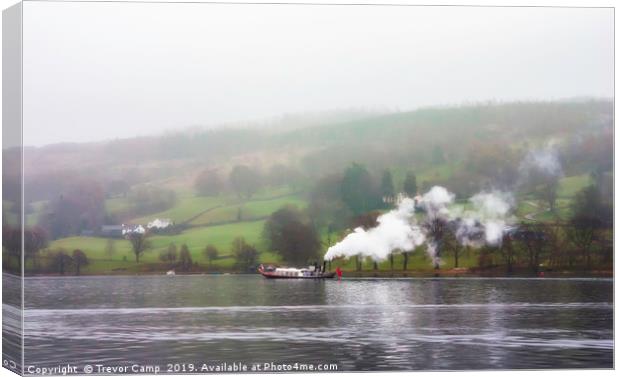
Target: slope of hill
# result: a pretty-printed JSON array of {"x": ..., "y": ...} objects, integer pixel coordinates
[{"x": 444, "y": 145}]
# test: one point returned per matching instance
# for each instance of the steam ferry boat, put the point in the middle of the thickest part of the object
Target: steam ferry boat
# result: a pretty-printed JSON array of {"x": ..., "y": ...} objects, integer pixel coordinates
[{"x": 312, "y": 272}]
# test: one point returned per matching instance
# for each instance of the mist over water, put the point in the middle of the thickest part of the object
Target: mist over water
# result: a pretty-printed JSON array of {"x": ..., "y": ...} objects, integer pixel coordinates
[{"x": 359, "y": 324}]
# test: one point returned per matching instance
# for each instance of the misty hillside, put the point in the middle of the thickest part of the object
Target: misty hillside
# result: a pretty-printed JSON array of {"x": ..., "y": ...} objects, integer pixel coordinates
[
  {"x": 405, "y": 140},
  {"x": 217, "y": 185}
]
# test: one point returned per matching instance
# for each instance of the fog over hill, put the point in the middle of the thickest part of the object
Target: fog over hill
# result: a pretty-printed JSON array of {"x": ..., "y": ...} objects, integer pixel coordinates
[
  {"x": 319, "y": 144},
  {"x": 338, "y": 172}
]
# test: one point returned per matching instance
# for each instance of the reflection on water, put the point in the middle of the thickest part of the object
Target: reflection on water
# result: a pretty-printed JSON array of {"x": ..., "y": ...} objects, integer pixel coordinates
[
  {"x": 12, "y": 321},
  {"x": 361, "y": 324}
]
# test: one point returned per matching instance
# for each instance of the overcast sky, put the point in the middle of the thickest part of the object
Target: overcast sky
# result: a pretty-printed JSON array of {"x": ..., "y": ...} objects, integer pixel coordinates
[{"x": 103, "y": 70}]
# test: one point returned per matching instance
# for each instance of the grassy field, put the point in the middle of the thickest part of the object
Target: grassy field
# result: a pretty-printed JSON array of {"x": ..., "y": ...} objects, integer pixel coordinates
[
  {"x": 196, "y": 239},
  {"x": 248, "y": 211},
  {"x": 215, "y": 220},
  {"x": 418, "y": 260},
  {"x": 219, "y": 236},
  {"x": 123, "y": 260},
  {"x": 569, "y": 186},
  {"x": 94, "y": 248},
  {"x": 186, "y": 207},
  {"x": 204, "y": 215}
]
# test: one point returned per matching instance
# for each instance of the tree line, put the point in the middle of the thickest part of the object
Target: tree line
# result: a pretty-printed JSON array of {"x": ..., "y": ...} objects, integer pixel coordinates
[
  {"x": 356, "y": 197},
  {"x": 583, "y": 242}
]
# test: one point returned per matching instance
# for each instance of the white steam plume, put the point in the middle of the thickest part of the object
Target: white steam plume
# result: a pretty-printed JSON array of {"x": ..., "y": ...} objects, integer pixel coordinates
[
  {"x": 436, "y": 201},
  {"x": 398, "y": 229},
  {"x": 435, "y": 205},
  {"x": 487, "y": 221},
  {"x": 394, "y": 232},
  {"x": 544, "y": 161}
]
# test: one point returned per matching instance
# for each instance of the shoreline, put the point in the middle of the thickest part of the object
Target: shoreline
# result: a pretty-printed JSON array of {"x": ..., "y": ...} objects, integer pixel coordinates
[{"x": 452, "y": 273}]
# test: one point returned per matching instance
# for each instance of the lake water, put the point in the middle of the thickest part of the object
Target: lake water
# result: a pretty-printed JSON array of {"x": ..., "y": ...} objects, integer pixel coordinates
[{"x": 357, "y": 324}]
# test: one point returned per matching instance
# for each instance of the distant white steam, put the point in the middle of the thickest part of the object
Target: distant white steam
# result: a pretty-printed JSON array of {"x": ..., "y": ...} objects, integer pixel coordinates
[
  {"x": 435, "y": 205},
  {"x": 436, "y": 201},
  {"x": 544, "y": 161},
  {"x": 398, "y": 229},
  {"x": 486, "y": 222}
]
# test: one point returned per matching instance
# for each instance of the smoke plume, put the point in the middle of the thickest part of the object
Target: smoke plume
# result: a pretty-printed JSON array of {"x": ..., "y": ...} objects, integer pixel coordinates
[
  {"x": 398, "y": 230},
  {"x": 544, "y": 161},
  {"x": 435, "y": 202},
  {"x": 395, "y": 231},
  {"x": 488, "y": 219},
  {"x": 483, "y": 222}
]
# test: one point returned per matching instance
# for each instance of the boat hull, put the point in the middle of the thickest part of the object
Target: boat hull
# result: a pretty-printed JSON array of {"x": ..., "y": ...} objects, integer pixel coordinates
[{"x": 272, "y": 275}]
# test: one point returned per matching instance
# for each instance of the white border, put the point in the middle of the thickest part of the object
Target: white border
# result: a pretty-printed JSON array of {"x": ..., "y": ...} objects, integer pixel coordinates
[{"x": 540, "y": 3}]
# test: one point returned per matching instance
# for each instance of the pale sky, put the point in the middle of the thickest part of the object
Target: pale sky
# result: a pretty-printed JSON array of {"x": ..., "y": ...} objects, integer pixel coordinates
[{"x": 107, "y": 70}]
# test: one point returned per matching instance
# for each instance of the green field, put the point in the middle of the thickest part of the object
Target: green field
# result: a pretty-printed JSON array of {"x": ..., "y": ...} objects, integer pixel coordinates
[
  {"x": 218, "y": 220},
  {"x": 196, "y": 239},
  {"x": 418, "y": 260},
  {"x": 186, "y": 207},
  {"x": 211, "y": 220},
  {"x": 464, "y": 148},
  {"x": 569, "y": 186},
  {"x": 567, "y": 189},
  {"x": 249, "y": 211}
]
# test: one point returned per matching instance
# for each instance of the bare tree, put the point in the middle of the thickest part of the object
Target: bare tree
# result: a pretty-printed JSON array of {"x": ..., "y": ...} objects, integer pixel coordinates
[
  {"x": 581, "y": 232},
  {"x": 79, "y": 259},
  {"x": 559, "y": 252},
  {"x": 533, "y": 239},
  {"x": 435, "y": 228},
  {"x": 590, "y": 214},
  {"x": 61, "y": 261},
  {"x": 211, "y": 253},
  {"x": 169, "y": 255},
  {"x": 35, "y": 239},
  {"x": 452, "y": 245},
  {"x": 245, "y": 254},
  {"x": 139, "y": 244},
  {"x": 185, "y": 258},
  {"x": 548, "y": 191},
  {"x": 508, "y": 253}
]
